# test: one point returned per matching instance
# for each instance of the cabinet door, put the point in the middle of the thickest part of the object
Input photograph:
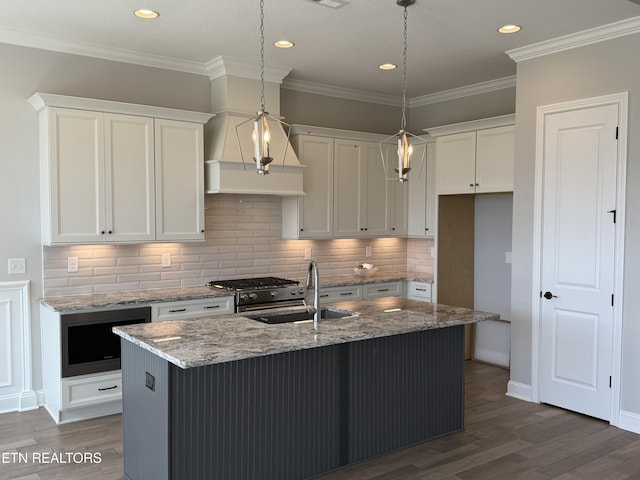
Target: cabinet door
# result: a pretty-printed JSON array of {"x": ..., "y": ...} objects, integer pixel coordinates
[
  {"x": 179, "y": 163},
  {"x": 422, "y": 198},
  {"x": 347, "y": 188},
  {"x": 73, "y": 209},
  {"x": 495, "y": 155},
  {"x": 455, "y": 163},
  {"x": 315, "y": 209},
  {"x": 376, "y": 204},
  {"x": 129, "y": 178}
]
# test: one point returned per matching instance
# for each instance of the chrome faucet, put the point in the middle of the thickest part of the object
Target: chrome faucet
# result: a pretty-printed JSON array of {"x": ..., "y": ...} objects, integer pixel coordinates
[{"x": 313, "y": 269}]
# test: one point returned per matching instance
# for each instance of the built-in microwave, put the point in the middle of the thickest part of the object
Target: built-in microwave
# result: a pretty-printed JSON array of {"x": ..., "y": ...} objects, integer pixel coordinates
[{"x": 89, "y": 345}]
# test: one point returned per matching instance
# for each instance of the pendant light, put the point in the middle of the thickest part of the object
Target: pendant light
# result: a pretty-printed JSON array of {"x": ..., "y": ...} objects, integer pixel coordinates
[
  {"x": 261, "y": 135},
  {"x": 405, "y": 140}
]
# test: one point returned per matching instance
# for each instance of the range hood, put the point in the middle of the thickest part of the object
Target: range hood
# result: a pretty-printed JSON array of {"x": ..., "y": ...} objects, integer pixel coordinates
[{"x": 233, "y": 97}]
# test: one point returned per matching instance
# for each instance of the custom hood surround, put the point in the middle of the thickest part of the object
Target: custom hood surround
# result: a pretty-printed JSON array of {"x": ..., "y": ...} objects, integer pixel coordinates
[{"x": 235, "y": 91}]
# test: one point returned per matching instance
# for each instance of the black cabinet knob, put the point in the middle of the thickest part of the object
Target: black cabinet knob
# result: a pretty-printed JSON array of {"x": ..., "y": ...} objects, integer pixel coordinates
[
  {"x": 110, "y": 232},
  {"x": 102, "y": 232},
  {"x": 471, "y": 184}
]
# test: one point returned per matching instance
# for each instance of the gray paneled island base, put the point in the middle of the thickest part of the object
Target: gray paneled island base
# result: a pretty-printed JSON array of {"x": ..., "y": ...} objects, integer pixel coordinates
[{"x": 231, "y": 398}]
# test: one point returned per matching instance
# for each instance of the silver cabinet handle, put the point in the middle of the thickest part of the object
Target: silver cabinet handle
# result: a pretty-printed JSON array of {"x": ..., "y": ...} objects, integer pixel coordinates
[
  {"x": 421, "y": 289},
  {"x": 178, "y": 310},
  {"x": 208, "y": 307},
  {"x": 346, "y": 294},
  {"x": 383, "y": 289}
]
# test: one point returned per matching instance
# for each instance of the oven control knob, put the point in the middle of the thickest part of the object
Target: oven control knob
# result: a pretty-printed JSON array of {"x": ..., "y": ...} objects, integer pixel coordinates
[
  {"x": 253, "y": 296},
  {"x": 274, "y": 294},
  {"x": 243, "y": 296},
  {"x": 301, "y": 291},
  {"x": 293, "y": 292}
]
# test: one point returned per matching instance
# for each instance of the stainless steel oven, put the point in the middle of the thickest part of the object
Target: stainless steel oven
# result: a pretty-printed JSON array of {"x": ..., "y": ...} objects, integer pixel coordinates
[
  {"x": 263, "y": 293},
  {"x": 89, "y": 345}
]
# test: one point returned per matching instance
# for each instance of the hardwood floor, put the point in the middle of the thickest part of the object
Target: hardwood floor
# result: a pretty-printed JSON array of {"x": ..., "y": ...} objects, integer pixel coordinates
[{"x": 504, "y": 438}]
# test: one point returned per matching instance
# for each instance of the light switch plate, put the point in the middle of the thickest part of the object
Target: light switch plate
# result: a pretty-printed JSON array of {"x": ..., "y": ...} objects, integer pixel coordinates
[
  {"x": 17, "y": 266},
  {"x": 166, "y": 260},
  {"x": 367, "y": 252}
]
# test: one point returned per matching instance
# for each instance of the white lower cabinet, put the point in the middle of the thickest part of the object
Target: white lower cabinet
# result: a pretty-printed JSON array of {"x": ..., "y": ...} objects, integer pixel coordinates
[
  {"x": 387, "y": 289},
  {"x": 161, "y": 312},
  {"x": 95, "y": 389},
  {"x": 421, "y": 291},
  {"x": 360, "y": 291},
  {"x": 339, "y": 294}
]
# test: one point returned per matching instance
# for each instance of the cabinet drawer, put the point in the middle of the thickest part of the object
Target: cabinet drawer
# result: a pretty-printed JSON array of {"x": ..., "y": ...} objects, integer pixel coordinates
[
  {"x": 389, "y": 289},
  {"x": 338, "y": 294},
  {"x": 161, "y": 312},
  {"x": 419, "y": 291},
  {"x": 91, "y": 390}
]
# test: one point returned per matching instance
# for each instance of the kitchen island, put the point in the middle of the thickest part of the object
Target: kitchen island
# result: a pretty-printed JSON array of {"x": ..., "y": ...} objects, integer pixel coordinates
[{"x": 232, "y": 398}]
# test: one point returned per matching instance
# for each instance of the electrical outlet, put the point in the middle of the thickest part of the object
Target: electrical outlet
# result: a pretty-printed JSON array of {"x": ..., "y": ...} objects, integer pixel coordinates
[
  {"x": 367, "y": 252},
  {"x": 72, "y": 264},
  {"x": 431, "y": 254},
  {"x": 17, "y": 266},
  {"x": 507, "y": 257},
  {"x": 307, "y": 254},
  {"x": 166, "y": 260}
]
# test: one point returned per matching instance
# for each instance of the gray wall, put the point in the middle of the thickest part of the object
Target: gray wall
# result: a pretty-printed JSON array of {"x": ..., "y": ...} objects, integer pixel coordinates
[
  {"x": 599, "y": 69},
  {"x": 492, "y": 239},
  {"x": 474, "y": 107},
  {"x": 25, "y": 71}
]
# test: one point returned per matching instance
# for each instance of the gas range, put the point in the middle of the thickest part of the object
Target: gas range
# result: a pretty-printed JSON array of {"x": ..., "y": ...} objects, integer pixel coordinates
[{"x": 263, "y": 292}]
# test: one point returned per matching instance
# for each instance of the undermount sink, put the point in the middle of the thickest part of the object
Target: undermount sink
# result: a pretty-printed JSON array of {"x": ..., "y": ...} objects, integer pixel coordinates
[{"x": 326, "y": 313}]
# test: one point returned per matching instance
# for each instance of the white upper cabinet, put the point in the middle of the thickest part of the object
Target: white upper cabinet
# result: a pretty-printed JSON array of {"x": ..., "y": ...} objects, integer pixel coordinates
[
  {"x": 421, "y": 220},
  {"x": 495, "y": 156},
  {"x": 179, "y": 148},
  {"x": 311, "y": 215},
  {"x": 477, "y": 160},
  {"x": 346, "y": 192},
  {"x": 111, "y": 177},
  {"x": 129, "y": 177}
]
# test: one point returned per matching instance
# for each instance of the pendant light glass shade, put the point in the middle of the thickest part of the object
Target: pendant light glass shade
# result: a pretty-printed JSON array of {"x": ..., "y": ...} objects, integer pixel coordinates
[
  {"x": 261, "y": 132},
  {"x": 405, "y": 140},
  {"x": 261, "y": 142}
]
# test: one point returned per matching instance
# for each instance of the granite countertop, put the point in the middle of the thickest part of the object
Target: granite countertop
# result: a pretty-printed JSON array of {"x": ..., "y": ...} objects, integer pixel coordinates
[
  {"x": 226, "y": 338},
  {"x": 70, "y": 303}
]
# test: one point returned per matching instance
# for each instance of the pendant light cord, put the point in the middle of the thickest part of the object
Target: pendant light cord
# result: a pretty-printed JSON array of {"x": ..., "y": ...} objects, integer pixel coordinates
[
  {"x": 404, "y": 73},
  {"x": 262, "y": 55}
]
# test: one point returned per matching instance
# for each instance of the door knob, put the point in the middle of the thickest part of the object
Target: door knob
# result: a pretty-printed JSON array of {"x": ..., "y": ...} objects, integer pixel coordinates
[{"x": 549, "y": 295}]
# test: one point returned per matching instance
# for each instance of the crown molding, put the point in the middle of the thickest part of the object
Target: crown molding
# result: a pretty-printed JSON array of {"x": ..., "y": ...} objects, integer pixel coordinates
[
  {"x": 575, "y": 40},
  {"x": 461, "y": 92},
  {"x": 50, "y": 43},
  {"x": 339, "y": 92},
  {"x": 481, "y": 124},
  {"x": 222, "y": 65}
]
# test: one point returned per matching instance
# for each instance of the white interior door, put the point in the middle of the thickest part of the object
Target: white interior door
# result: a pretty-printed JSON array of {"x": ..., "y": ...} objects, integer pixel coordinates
[{"x": 578, "y": 252}]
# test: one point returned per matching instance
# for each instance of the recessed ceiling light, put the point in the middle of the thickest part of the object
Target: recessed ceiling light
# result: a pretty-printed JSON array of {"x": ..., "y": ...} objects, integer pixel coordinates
[
  {"x": 509, "y": 29},
  {"x": 284, "y": 44},
  {"x": 145, "y": 13},
  {"x": 387, "y": 66}
]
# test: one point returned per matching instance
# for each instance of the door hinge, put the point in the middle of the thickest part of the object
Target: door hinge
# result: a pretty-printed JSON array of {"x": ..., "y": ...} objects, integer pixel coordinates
[
  {"x": 609, "y": 381},
  {"x": 612, "y": 299},
  {"x": 617, "y": 132},
  {"x": 614, "y": 214}
]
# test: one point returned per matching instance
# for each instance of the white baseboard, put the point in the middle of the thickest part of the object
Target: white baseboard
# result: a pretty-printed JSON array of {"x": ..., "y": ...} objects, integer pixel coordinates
[
  {"x": 629, "y": 421},
  {"x": 19, "y": 402},
  {"x": 518, "y": 390}
]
